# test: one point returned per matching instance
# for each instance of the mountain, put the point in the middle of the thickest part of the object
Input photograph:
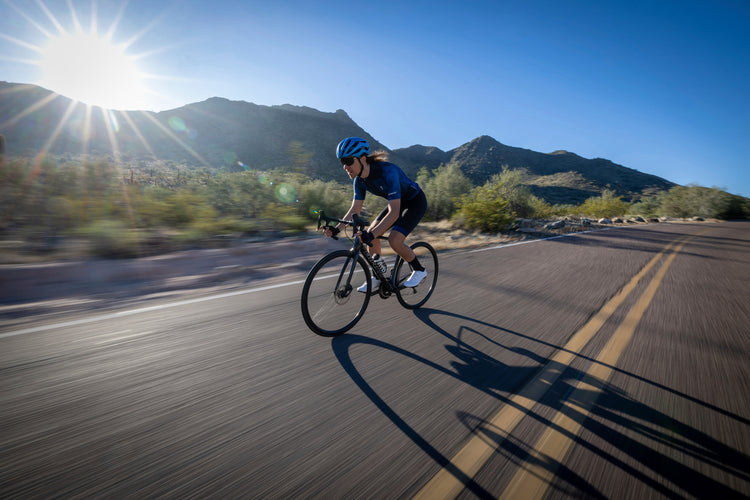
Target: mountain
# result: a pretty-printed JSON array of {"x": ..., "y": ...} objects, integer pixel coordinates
[
  {"x": 558, "y": 177},
  {"x": 221, "y": 133},
  {"x": 213, "y": 133}
]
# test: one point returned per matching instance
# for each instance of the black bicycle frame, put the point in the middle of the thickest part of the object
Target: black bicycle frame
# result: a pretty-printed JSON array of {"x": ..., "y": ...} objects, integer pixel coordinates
[{"x": 359, "y": 224}]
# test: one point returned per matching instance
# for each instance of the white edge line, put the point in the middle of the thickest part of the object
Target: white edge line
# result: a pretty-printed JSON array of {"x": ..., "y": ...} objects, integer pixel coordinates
[
  {"x": 140, "y": 310},
  {"x": 495, "y": 247}
]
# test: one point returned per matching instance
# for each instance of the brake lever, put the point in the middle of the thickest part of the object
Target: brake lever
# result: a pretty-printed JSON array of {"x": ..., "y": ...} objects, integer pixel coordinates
[
  {"x": 321, "y": 216},
  {"x": 360, "y": 222}
]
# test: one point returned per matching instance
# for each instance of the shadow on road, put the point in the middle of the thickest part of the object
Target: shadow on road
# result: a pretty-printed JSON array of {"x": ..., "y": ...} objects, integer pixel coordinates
[
  {"x": 636, "y": 430},
  {"x": 652, "y": 239}
]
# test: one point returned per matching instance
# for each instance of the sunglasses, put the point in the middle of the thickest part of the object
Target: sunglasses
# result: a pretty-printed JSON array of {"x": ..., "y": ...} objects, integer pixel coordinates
[{"x": 348, "y": 161}]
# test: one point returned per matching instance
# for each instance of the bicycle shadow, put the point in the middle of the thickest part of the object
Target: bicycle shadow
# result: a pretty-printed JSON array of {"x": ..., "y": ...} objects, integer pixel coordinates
[{"x": 615, "y": 417}]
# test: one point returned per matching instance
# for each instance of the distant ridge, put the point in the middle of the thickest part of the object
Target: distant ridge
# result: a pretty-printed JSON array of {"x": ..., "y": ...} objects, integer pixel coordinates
[
  {"x": 218, "y": 133},
  {"x": 558, "y": 177}
]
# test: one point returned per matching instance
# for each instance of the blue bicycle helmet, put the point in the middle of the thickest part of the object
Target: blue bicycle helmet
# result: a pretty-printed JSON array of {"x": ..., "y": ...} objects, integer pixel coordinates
[{"x": 352, "y": 146}]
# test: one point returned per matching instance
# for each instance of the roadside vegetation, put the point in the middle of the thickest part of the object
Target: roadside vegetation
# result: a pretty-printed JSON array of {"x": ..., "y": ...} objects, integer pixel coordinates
[{"x": 147, "y": 209}]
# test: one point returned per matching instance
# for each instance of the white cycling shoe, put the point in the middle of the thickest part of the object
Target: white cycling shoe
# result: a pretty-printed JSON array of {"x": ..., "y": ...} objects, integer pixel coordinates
[
  {"x": 415, "y": 278},
  {"x": 374, "y": 285}
]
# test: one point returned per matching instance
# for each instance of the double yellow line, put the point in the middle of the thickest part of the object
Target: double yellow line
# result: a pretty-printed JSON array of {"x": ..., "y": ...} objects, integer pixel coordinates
[{"x": 532, "y": 479}]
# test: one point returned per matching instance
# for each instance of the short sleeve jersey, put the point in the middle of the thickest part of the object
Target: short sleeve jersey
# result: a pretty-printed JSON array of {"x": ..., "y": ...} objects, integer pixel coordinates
[{"x": 387, "y": 181}]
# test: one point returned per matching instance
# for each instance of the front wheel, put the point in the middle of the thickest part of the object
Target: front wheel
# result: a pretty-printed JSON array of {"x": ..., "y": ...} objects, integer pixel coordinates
[
  {"x": 413, "y": 298},
  {"x": 331, "y": 304}
]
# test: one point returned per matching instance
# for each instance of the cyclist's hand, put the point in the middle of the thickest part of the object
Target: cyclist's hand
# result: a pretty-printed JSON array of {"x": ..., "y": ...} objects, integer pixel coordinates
[
  {"x": 331, "y": 231},
  {"x": 366, "y": 237}
]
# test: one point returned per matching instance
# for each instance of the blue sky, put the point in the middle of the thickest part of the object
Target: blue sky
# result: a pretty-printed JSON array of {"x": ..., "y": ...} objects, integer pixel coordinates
[{"x": 658, "y": 86}]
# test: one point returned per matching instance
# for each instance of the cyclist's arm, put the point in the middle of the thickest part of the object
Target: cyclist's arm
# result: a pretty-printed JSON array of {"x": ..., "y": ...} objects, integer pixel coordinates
[
  {"x": 393, "y": 187},
  {"x": 356, "y": 208},
  {"x": 394, "y": 209}
]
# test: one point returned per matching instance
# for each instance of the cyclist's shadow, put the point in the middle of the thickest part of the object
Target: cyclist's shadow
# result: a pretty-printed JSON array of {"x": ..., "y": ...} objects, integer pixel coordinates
[
  {"x": 498, "y": 380},
  {"x": 471, "y": 367},
  {"x": 341, "y": 347}
]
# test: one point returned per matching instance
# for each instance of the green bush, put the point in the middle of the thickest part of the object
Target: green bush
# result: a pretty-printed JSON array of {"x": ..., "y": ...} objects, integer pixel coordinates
[
  {"x": 485, "y": 209},
  {"x": 738, "y": 208},
  {"x": 111, "y": 238},
  {"x": 606, "y": 205},
  {"x": 511, "y": 187},
  {"x": 443, "y": 188},
  {"x": 331, "y": 197},
  {"x": 647, "y": 207},
  {"x": 693, "y": 200},
  {"x": 539, "y": 208},
  {"x": 211, "y": 226}
]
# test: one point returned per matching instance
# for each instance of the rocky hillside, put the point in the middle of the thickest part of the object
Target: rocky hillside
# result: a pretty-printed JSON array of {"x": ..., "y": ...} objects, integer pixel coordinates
[
  {"x": 219, "y": 133},
  {"x": 559, "y": 177}
]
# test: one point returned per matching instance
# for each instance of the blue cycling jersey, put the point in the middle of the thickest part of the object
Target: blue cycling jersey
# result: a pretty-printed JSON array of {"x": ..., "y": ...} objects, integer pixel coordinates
[{"x": 387, "y": 181}]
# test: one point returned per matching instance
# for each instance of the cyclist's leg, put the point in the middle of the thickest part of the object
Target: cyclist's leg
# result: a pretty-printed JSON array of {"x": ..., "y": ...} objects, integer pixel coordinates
[
  {"x": 410, "y": 217},
  {"x": 412, "y": 212},
  {"x": 396, "y": 242},
  {"x": 376, "y": 248}
]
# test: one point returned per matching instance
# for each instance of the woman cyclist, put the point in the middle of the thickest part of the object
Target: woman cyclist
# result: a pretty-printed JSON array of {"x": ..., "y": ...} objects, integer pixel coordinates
[{"x": 406, "y": 204}]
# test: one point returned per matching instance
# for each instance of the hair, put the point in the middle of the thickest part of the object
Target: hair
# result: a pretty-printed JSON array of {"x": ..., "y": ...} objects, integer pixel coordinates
[{"x": 377, "y": 157}]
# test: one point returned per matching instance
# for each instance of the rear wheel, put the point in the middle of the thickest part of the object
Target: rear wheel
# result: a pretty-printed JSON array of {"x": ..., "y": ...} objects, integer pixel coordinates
[
  {"x": 331, "y": 304},
  {"x": 413, "y": 298}
]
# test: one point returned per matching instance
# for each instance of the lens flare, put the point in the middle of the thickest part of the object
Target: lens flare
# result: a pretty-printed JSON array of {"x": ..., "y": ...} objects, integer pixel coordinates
[
  {"x": 177, "y": 124},
  {"x": 113, "y": 120},
  {"x": 286, "y": 193},
  {"x": 230, "y": 158}
]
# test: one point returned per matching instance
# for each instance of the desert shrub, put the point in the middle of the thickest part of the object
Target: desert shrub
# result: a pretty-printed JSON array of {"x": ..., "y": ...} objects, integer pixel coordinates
[
  {"x": 331, "y": 197},
  {"x": 210, "y": 226},
  {"x": 443, "y": 188},
  {"x": 539, "y": 208},
  {"x": 737, "y": 208},
  {"x": 184, "y": 207},
  {"x": 606, "y": 205},
  {"x": 294, "y": 223},
  {"x": 111, "y": 238},
  {"x": 244, "y": 194},
  {"x": 286, "y": 218},
  {"x": 648, "y": 207},
  {"x": 511, "y": 187},
  {"x": 485, "y": 209},
  {"x": 693, "y": 200}
]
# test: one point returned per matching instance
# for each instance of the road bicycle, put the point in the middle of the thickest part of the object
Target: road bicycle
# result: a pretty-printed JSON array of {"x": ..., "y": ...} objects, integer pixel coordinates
[{"x": 331, "y": 304}]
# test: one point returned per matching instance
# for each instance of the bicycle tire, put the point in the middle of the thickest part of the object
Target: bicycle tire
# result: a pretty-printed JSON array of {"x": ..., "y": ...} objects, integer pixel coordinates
[
  {"x": 414, "y": 298},
  {"x": 330, "y": 302}
]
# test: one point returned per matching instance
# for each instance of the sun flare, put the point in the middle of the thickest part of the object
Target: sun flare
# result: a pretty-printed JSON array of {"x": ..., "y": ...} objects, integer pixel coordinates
[
  {"x": 91, "y": 63},
  {"x": 93, "y": 70}
]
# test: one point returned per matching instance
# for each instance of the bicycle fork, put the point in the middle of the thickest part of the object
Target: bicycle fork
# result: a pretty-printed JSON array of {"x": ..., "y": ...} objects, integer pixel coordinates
[{"x": 346, "y": 276}]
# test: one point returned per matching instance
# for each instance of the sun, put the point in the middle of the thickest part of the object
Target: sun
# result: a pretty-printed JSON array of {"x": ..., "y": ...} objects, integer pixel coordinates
[{"x": 92, "y": 69}]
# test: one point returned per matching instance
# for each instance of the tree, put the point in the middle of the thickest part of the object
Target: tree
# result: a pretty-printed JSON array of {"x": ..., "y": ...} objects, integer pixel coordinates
[
  {"x": 648, "y": 206},
  {"x": 330, "y": 197},
  {"x": 693, "y": 200},
  {"x": 522, "y": 202},
  {"x": 485, "y": 209},
  {"x": 443, "y": 188},
  {"x": 606, "y": 205}
]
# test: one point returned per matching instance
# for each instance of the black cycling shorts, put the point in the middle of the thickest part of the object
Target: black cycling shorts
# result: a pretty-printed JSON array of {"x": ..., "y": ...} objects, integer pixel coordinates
[{"x": 412, "y": 212}]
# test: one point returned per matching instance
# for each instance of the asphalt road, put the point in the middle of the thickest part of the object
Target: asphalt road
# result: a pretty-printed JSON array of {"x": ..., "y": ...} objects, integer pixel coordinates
[{"x": 612, "y": 364}]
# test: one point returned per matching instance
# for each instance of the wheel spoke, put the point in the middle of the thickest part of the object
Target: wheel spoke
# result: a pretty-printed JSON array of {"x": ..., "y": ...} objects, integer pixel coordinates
[
  {"x": 415, "y": 297},
  {"x": 330, "y": 303}
]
